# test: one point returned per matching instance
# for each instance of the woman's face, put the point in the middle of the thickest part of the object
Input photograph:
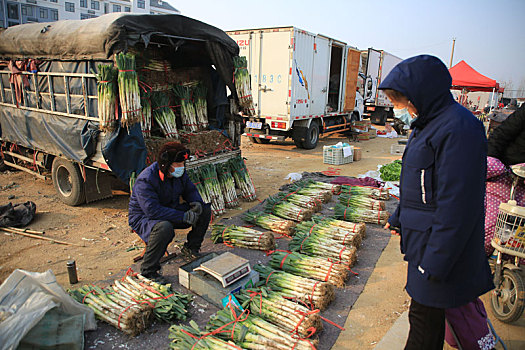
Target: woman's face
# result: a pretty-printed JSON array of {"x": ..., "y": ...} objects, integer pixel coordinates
[
  {"x": 173, "y": 166},
  {"x": 402, "y": 102}
]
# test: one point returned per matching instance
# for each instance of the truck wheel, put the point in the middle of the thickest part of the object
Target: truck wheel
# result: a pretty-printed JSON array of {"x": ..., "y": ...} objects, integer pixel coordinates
[
  {"x": 298, "y": 143},
  {"x": 312, "y": 136},
  {"x": 378, "y": 117},
  {"x": 68, "y": 182}
]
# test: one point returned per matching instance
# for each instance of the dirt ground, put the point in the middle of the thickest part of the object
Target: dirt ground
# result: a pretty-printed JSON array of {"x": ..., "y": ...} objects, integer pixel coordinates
[{"x": 104, "y": 239}]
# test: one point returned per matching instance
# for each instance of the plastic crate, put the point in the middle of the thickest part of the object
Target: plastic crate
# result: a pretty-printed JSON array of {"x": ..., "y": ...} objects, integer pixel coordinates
[
  {"x": 397, "y": 149},
  {"x": 334, "y": 156}
]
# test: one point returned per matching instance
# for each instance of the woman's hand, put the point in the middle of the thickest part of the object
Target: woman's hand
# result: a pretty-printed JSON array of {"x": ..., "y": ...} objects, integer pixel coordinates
[{"x": 392, "y": 232}]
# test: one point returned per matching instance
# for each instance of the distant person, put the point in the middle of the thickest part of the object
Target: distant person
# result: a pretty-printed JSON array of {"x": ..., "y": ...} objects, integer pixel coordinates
[
  {"x": 507, "y": 141},
  {"x": 441, "y": 207},
  {"x": 164, "y": 199}
]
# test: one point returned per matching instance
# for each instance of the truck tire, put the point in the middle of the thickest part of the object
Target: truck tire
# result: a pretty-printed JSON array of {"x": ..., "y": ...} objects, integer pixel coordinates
[
  {"x": 3, "y": 166},
  {"x": 378, "y": 117},
  {"x": 68, "y": 182},
  {"x": 312, "y": 136},
  {"x": 298, "y": 143}
]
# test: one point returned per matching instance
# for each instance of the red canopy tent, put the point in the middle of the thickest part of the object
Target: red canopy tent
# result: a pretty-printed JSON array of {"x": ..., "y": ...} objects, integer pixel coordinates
[{"x": 466, "y": 77}]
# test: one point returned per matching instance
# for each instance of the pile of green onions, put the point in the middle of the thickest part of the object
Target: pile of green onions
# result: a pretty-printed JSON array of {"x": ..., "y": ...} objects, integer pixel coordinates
[
  {"x": 163, "y": 114},
  {"x": 188, "y": 115},
  {"x": 359, "y": 228},
  {"x": 242, "y": 178},
  {"x": 252, "y": 332},
  {"x": 116, "y": 307},
  {"x": 274, "y": 308},
  {"x": 129, "y": 93},
  {"x": 315, "y": 293},
  {"x": 107, "y": 97},
  {"x": 348, "y": 237},
  {"x": 302, "y": 201},
  {"x": 145, "y": 124},
  {"x": 360, "y": 201},
  {"x": 242, "y": 237},
  {"x": 213, "y": 188},
  {"x": 270, "y": 222},
  {"x": 356, "y": 214},
  {"x": 242, "y": 85},
  {"x": 324, "y": 247},
  {"x": 201, "y": 107},
  {"x": 287, "y": 210},
  {"x": 372, "y": 192},
  {"x": 320, "y": 269},
  {"x": 227, "y": 185},
  {"x": 191, "y": 337}
]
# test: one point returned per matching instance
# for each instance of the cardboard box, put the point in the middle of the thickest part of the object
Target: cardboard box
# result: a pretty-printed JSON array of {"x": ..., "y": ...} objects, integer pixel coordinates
[
  {"x": 363, "y": 136},
  {"x": 372, "y": 132},
  {"x": 207, "y": 286},
  {"x": 357, "y": 154}
]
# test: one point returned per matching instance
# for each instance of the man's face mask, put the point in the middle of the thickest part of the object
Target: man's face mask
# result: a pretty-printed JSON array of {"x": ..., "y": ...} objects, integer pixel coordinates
[{"x": 177, "y": 172}]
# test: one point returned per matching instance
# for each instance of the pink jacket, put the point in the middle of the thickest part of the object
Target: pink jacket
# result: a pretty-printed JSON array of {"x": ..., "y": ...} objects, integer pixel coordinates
[{"x": 498, "y": 185}]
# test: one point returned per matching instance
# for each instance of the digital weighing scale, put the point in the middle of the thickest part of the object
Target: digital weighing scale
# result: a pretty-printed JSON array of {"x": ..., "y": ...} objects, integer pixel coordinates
[{"x": 227, "y": 268}]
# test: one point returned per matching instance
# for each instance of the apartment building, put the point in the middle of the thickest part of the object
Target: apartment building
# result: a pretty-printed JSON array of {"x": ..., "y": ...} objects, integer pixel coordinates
[{"x": 13, "y": 12}]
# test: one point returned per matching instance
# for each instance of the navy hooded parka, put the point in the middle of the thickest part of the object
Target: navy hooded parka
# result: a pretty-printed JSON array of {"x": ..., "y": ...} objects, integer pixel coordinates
[
  {"x": 154, "y": 200},
  {"x": 441, "y": 207}
]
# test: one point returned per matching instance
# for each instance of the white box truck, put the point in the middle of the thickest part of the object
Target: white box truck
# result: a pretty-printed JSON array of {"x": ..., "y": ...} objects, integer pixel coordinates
[
  {"x": 375, "y": 66},
  {"x": 303, "y": 84}
]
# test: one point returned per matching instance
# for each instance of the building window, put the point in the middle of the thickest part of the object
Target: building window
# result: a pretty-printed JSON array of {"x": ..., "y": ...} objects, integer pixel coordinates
[
  {"x": 127, "y": 9},
  {"x": 10, "y": 24},
  {"x": 54, "y": 15},
  {"x": 141, "y": 4},
  {"x": 70, "y": 7},
  {"x": 95, "y": 5},
  {"x": 116, "y": 8},
  {"x": 84, "y": 16},
  {"x": 43, "y": 13},
  {"x": 151, "y": 13},
  {"x": 12, "y": 12},
  {"x": 31, "y": 1},
  {"x": 83, "y": 3},
  {"x": 53, "y": 1}
]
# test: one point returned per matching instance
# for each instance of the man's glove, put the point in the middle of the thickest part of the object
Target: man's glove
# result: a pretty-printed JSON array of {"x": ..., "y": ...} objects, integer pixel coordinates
[
  {"x": 190, "y": 218},
  {"x": 196, "y": 207}
]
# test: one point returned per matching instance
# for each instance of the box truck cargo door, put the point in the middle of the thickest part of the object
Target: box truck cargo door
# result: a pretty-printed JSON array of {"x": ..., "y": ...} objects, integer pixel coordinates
[{"x": 320, "y": 78}]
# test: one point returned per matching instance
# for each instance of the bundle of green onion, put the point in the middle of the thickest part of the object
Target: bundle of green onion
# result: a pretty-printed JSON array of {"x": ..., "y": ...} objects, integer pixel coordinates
[
  {"x": 360, "y": 201},
  {"x": 129, "y": 93},
  {"x": 227, "y": 185},
  {"x": 116, "y": 307},
  {"x": 302, "y": 188},
  {"x": 242, "y": 178},
  {"x": 274, "y": 308},
  {"x": 270, "y": 222},
  {"x": 309, "y": 291},
  {"x": 194, "y": 175},
  {"x": 169, "y": 305},
  {"x": 324, "y": 247},
  {"x": 335, "y": 189},
  {"x": 145, "y": 123},
  {"x": 201, "y": 106},
  {"x": 213, "y": 188},
  {"x": 161, "y": 111},
  {"x": 372, "y": 192},
  {"x": 191, "y": 337},
  {"x": 354, "y": 214},
  {"x": 302, "y": 201},
  {"x": 287, "y": 210},
  {"x": 242, "y": 85},
  {"x": 242, "y": 237},
  {"x": 359, "y": 228},
  {"x": 107, "y": 97},
  {"x": 320, "y": 269},
  {"x": 188, "y": 115},
  {"x": 252, "y": 332},
  {"x": 323, "y": 229}
]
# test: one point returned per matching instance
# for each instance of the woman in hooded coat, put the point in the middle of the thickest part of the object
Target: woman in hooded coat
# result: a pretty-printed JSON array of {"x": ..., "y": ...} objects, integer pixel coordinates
[{"x": 441, "y": 208}]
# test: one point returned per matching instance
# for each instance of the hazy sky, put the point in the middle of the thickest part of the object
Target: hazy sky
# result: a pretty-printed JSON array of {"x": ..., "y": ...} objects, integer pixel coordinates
[{"x": 490, "y": 35}]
